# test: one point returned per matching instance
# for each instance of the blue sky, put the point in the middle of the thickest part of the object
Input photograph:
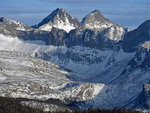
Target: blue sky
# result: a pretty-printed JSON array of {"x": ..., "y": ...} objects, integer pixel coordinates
[{"x": 127, "y": 13}]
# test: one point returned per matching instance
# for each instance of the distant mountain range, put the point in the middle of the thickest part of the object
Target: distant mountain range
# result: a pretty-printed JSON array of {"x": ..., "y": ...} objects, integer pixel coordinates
[{"x": 93, "y": 63}]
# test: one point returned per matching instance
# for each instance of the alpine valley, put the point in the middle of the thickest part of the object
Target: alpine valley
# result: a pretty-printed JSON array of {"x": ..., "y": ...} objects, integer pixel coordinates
[{"x": 62, "y": 63}]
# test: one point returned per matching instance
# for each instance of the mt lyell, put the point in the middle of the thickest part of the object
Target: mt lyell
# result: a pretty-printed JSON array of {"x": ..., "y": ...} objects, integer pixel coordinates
[{"x": 93, "y": 63}]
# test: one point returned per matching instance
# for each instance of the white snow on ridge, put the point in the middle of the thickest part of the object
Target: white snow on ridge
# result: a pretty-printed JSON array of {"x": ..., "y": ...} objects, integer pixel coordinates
[
  {"x": 14, "y": 44},
  {"x": 65, "y": 26},
  {"x": 20, "y": 25},
  {"x": 37, "y": 79},
  {"x": 31, "y": 77},
  {"x": 83, "y": 68},
  {"x": 60, "y": 25},
  {"x": 21, "y": 28},
  {"x": 45, "y": 27},
  {"x": 2, "y": 78},
  {"x": 97, "y": 25},
  {"x": 115, "y": 33},
  {"x": 146, "y": 44}
]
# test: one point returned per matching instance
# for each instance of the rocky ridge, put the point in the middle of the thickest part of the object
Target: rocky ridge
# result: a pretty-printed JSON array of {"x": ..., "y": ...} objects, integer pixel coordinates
[{"x": 104, "y": 66}]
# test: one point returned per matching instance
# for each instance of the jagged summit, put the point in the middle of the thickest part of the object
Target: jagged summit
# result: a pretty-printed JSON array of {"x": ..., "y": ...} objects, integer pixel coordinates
[
  {"x": 96, "y": 11},
  {"x": 146, "y": 22},
  {"x": 58, "y": 11},
  {"x": 11, "y": 27},
  {"x": 59, "y": 18},
  {"x": 2, "y": 19},
  {"x": 137, "y": 37},
  {"x": 95, "y": 20},
  {"x": 92, "y": 14},
  {"x": 5, "y": 20},
  {"x": 145, "y": 25}
]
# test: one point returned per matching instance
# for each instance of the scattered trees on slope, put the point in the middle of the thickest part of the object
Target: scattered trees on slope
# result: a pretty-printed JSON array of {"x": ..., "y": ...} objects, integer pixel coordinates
[{"x": 9, "y": 105}]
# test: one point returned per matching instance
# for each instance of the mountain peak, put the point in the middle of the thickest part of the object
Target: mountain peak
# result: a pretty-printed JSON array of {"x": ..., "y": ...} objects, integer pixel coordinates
[
  {"x": 138, "y": 37},
  {"x": 60, "y": 10},
  {"x": 2, "y": 19},
  {"x": 96, "y": 11},
  {"x": 95, "y": 20},
  {"x": 147, "y": 22},
  {"x": 146, "y": 25},
  {"x": 59, "y": 18},
  {"x": 50, "y": 18}
]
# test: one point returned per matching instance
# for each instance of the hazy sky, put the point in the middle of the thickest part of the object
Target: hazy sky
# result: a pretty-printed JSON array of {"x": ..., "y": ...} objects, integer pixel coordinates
[{"x": 127, "y": 13}]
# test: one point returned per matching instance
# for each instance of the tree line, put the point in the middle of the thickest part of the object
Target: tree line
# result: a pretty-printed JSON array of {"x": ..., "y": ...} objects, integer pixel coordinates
[{"x": 10, "y": 105}]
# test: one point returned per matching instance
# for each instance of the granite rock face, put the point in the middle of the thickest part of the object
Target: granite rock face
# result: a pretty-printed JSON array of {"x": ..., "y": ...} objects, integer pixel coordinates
[
  {"x": 143, "y": 100},
  {"x": 10, "y": 27},
  {"x": 135, "y": 38}
]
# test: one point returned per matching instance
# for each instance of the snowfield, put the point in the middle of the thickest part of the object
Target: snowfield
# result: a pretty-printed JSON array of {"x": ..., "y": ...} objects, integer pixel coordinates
[
  {"x": 23, "y": 76},
  {"x": 88, "y": 76}
]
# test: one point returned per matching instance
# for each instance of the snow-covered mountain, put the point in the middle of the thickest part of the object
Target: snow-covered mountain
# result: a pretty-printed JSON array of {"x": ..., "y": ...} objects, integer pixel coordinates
[
  {"x": 11, "y": 27},
  {"x": 96, "y": 21},
  {"x": 59, "y": 18},
  {"x": 104, "y": 66},
  {"x": 100, "y": 38},
  {"x": 7, "y": 24}
]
